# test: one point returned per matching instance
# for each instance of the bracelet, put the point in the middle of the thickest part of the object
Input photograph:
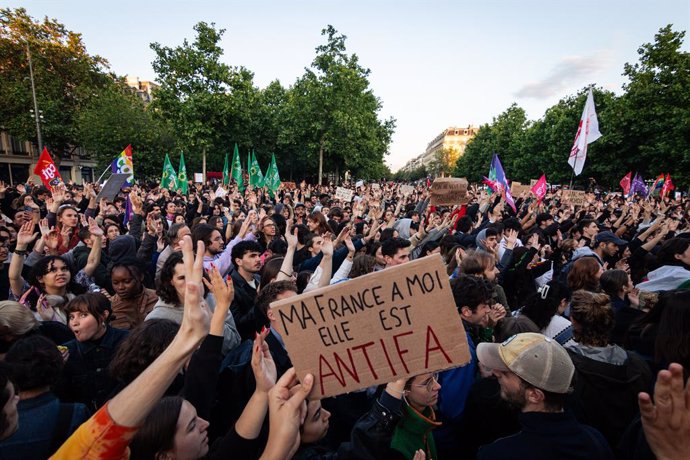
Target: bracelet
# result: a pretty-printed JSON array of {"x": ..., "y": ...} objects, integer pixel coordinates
[
  {"x": 286, "y": 274},
  {"x": 21, "y": 252}
]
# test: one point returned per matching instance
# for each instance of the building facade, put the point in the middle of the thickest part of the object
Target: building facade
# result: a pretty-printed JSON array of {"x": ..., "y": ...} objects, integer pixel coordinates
[
  {"x": 453, "y": 140},
  {"x": 18, "y": 159},
  {"x": 143, "y": 88}
]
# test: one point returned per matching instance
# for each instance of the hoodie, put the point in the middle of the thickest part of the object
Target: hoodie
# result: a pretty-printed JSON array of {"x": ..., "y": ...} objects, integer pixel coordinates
[{"x": 607, "y": 382}]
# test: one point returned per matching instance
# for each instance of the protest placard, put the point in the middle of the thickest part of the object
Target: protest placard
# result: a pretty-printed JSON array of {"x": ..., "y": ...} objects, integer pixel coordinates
[
  {"x": 343, "y": 194},
  {"x": 112, "y": 187},
  {"x": 359, "y": 183},
  {"x": 384, "y": 326},
  {"x": 406, "y": 189},
  {"x": 574, "y": 197},
  {"x": 198, "y": 178},
  {"x": 375, "y": 186},
  {"x": 517, "y": 188},
  {"x": 448, "y": 191}
]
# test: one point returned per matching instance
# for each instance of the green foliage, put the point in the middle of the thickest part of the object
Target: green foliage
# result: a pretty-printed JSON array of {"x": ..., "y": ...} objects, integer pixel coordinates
[
  {"x": 411, "y": 175},
  {"x": 116, "y": 117},
  {"x": 646, "y": 129},
  {"x": 66, "y": 77},
  {"x": 333, "y": 110}
]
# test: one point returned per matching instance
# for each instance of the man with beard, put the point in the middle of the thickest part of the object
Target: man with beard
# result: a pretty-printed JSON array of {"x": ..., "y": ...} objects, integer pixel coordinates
[
  {"x": 245, "y": 279},
  {"x": 535, "y": 374}
]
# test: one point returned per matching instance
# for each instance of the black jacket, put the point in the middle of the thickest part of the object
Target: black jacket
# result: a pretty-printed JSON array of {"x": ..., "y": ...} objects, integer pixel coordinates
[
  {"x": 605, "y": 394},
  {"x": 547, "y": 436},
  {"x": 85, "y": 377},
  {"x": 242, "y": 306}
]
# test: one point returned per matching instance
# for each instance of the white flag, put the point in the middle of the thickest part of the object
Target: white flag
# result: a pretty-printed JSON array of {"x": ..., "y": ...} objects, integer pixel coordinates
[{"x": 587, "y": 132}]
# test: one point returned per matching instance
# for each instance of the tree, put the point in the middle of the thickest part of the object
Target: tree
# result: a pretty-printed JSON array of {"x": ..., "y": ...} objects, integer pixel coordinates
[
  {"x": 335, "y": 113},
  {"x": 208, "y": 103},
  {"x": 654, "y": 117},
  {"x": 65, "y": 75},
  {"x": 504, "y": 136},
  {"x": 117, "y": 117}
]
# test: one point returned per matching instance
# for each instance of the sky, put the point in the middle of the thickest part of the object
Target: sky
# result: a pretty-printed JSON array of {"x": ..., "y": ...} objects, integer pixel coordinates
[{"x": 434, "y": 64}]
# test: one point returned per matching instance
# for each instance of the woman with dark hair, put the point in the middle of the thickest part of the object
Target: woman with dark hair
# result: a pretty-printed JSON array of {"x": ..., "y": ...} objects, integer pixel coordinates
[
  {"x": 585, "y": 274},
  {"x": 175, "y": 429},
  {"x": 316, "y": 222},
  {"x": 673, "y": 260},
  {"x": 9, "y": 397},
  {"x": 170, "y": 287},
  {"x": 672, "y": 344},
  {"x": 608, "y": 378},
  {"x": 132, "y": 300},
  {"x": 51, "y": 281},
  {"x": 85, "y": 378},
  {"x": 112, "y": 231},
  {"x": 266, "y": 232},
  {"x": 68, "y": 228},
  {"x": 270, "y": 270},
  {"x": 545, "y": 309},
  {"x": 140, "y": 348},
  {"x": 625, "y": 301},
  {"x": 44, "y": 423}
]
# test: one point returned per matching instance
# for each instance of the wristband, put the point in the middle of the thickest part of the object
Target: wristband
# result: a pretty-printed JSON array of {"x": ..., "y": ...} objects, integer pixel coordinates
[{"x": 21, "y": 252}]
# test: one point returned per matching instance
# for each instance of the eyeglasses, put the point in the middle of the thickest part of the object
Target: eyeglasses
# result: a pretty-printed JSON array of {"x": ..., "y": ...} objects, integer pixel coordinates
[{"x": 429, "y": 385}]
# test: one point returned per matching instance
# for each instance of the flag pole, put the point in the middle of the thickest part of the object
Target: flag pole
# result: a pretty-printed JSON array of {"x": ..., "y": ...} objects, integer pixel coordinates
[{"x": 103, "y": 174}]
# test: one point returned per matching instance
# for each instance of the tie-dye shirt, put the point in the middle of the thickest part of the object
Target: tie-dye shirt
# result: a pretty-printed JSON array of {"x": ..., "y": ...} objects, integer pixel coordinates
[{"x": 98, "y": 438}]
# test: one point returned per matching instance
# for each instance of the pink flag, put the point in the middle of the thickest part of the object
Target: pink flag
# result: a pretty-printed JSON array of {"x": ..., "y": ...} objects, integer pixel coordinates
[
  {"x": 625, "y": 183},
  {"x": 587, "y": 132},
  {"x": 539, "y": 189}
]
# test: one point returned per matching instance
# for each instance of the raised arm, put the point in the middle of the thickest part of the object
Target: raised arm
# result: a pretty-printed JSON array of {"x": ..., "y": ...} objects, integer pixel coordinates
[
  {"x": 24, "y": 238},
  {"x": 95, "y": 255}
]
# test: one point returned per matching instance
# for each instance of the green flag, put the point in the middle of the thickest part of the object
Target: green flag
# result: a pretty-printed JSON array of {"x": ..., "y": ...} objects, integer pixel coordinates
[
  {"x": 272, "y": 179},
  {"x": 182, "y": 176},
  {"x": 237, "y": 169},
  {"x": 256, "y": 178},
  {"x": 226, "y": 171},
  {"x": 169, "y": 178}
]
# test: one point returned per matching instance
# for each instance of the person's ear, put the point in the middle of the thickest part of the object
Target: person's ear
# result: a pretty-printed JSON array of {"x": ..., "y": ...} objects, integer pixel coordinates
[
  {"x": 465, "y": 312},
  {"x": 534, "y": 395},
  {"x": 271, "y": 316}
]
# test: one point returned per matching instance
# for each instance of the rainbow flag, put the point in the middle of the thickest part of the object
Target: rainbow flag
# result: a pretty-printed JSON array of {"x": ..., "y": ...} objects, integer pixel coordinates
[{"x": 122, "y": 164}]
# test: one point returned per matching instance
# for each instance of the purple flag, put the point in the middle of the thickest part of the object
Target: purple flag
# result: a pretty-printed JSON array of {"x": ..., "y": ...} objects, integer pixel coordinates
[
  {"x": 128, "y": 212},
  {"x": 501, "y": 179},
  {"x": 638, "y": 186}
]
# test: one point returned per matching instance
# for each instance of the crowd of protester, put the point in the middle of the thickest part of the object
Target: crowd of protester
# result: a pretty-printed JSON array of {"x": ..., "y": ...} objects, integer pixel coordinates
[{"x": 141, "y": 327}]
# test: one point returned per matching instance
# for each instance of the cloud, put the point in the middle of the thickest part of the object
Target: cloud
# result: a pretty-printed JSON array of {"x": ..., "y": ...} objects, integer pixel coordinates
[{"x": 570, "y": 70}]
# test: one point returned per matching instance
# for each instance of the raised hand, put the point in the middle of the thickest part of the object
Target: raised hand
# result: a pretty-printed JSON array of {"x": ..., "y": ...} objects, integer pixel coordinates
[
  {"x": 511, "y": 238},
  {"x": 291, "y": 235},
  {"x": 263, "y": 366},
  {"x": 666, "y": 421},
  {"x": 94, "y": 228},
  {"x": 196, "y": 317},
  {"x": 26, "y": 235},
  {"x": 222, "y": 291},
  {"x": 327, "y": 246},
  {"x": 287, "y": 411}
]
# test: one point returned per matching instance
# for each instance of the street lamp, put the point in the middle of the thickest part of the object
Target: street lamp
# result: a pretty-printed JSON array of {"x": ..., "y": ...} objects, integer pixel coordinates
[{"x": 36, "y": 113}]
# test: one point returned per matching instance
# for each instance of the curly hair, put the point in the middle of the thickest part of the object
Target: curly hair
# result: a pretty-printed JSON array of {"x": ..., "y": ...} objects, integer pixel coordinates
[
  {"x": 164, "y": 288},
  {"x": 592, "y": 317},
  {"x": 362, "y": 264},
  {"x": 141, "y": 347},
  {"x": 470, "y": 291},
  {"x": 44, "y": 265},
  {"x": 35, "y": 362}
]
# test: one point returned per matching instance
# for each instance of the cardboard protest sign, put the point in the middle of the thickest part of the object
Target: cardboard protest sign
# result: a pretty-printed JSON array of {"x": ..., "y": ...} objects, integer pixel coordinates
[
  {"x": 448, "y": 191},
  {"x": 406, "y": 189},
  {"x": 532, "y": 182},
  {"x": 198, "y": 178},
  {"x": 375, "y": 186},
  {"x": 517, "y": 188},
  {"x": 359, "y": 183},
  {"x": 343, "y": 194},
  {"x": 384, "y": 326},
  {"x": 575, "y": 197},
  {"x": 112, "y": 187}
]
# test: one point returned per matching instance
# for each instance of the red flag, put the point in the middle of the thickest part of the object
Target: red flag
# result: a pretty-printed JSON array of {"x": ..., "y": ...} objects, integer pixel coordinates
[
  {"x": 539, "y": 189},
  {"x": 625, "y": 183},
  {"x": 47, "y": 171},
  {"x": 668, "y": 186}
]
